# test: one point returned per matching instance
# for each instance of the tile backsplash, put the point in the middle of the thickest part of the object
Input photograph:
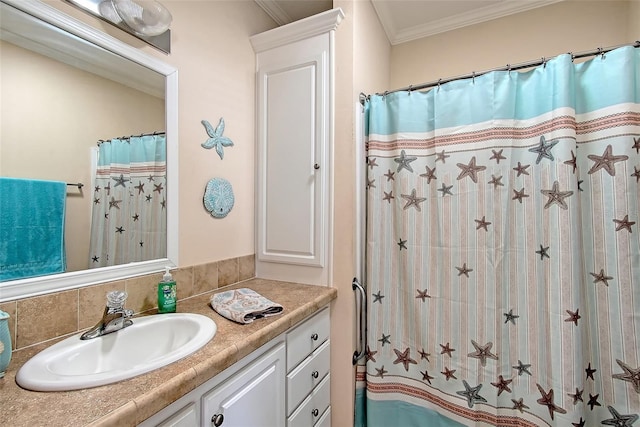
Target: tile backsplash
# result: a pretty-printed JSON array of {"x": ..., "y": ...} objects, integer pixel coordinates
[{"x": 42, "y": 318}]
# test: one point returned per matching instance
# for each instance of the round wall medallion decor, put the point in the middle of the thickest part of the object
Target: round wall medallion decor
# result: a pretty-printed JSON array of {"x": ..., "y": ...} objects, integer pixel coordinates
[{"x": 218, "y": 197}]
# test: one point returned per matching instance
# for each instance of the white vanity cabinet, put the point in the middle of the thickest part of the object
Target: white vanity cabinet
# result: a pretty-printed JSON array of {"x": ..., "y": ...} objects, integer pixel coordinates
[
  {"x": 294, "y": 149},
  {"x": 283, "y": 383}
]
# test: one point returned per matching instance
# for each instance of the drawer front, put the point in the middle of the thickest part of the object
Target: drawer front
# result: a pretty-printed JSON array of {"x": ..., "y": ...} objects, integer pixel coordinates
[
  {"x": 325, "y": 419},
  {"x": 312, "y": 409},
  {"x": 306, "y": 376},
  {"x": 305, "y": 338}
]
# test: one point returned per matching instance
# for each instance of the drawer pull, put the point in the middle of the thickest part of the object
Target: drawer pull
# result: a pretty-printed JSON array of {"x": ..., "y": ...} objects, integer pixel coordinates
[
  {"x": 315, "y": 374},
  {"x": 314, "y": 337},
  {"x": 217, "y": 420},
  {"x": 315, "y": 412}
]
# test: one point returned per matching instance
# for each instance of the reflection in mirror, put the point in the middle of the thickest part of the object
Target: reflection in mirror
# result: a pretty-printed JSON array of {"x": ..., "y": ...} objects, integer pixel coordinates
[{"x": 65, "y": 87}]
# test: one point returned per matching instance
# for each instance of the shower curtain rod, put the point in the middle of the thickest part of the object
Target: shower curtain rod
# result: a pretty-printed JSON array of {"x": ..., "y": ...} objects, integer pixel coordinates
[
  {"x": 100, "y": 141},
  {"x": 508, "y": 67}
]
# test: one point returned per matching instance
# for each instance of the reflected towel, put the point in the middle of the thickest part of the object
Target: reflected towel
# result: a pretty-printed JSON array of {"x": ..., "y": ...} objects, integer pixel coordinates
[
  {"x": 31, "y": 228},
  {"x": 244, "y": 305}
]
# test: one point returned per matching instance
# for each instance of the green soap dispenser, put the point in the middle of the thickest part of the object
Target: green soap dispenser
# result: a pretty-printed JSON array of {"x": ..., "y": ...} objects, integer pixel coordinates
[{"x": 167, "y": 293}]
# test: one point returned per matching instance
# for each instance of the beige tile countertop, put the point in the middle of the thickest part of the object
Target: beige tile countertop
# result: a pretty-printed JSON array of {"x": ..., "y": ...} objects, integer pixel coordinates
[{"x": 130, "y": 402}]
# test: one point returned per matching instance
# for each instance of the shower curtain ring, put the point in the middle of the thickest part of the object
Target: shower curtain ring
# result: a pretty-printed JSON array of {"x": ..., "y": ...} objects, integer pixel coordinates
[
  {"x": 509, "y": 68},
  {"x": 439, "y": 80},
  {"x": 410, "y": 89}
]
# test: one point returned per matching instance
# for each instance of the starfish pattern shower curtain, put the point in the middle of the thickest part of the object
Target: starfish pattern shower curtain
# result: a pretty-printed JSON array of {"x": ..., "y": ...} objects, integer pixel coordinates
[
  {"x": 503, "y": 250},
  {"x": 129, "y": 215}
]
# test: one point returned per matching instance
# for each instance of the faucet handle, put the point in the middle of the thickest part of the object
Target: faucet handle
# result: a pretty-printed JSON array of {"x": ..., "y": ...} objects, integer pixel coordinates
[{"x": 115, "y": 299}]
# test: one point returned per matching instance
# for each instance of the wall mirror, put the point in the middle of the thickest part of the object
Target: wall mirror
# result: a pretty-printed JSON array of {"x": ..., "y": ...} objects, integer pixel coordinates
[{"x": 129, "y": 93}]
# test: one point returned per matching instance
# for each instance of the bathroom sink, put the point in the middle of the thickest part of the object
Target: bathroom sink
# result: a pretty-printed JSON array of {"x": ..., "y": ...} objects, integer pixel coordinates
[{"x": 150, "y": 343}]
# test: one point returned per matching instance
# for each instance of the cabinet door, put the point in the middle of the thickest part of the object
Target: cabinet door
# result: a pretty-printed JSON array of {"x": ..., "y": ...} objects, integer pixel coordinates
[
  {"x": 186, "y": 417},
  {"x": 252, "y": 397}
]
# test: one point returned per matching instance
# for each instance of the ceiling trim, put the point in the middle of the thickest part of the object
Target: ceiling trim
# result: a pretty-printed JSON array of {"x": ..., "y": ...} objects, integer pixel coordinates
[
  {"x": 274, "y": 10},
  {"x": 454, "y": 22}
]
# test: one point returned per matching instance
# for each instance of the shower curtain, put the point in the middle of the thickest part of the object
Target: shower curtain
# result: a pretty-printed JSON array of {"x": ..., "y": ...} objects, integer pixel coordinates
[
  {"x": 503, "y": 250},
  {"x": 129, "y": 216}
]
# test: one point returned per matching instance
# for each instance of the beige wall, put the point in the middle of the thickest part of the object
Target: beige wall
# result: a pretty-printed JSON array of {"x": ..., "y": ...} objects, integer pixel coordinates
[
  {"x": 569, "y": 26},
  {"x": 52, "y": 116}
]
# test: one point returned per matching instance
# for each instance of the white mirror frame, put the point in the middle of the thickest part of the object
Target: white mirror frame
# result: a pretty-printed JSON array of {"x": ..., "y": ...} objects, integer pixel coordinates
[{"x": 25, "y": 288}]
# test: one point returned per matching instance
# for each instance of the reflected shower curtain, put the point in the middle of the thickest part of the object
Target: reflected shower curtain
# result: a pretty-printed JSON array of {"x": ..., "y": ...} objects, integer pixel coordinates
[
  {"x": 129, "y": 218},
  {"x": 503, "y": 251}
]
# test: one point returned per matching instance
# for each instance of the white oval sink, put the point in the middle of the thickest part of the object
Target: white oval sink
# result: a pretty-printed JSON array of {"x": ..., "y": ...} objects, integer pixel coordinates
[{"x": 150, "y": 343}]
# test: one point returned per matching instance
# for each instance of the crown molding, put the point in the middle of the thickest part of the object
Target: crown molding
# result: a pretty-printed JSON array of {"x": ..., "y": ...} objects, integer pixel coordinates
[
  {"x": 472, "y": 17},
  {"x": 274, "y": 10}
]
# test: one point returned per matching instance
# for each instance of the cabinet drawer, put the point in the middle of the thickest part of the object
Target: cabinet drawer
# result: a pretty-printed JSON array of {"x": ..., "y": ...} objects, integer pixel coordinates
[
  {"x": 307, "y": 337},
  {"x": 306, "y": 376},
  {"x": 310, "y": 411},
  {"x": 325, "y": 419}
]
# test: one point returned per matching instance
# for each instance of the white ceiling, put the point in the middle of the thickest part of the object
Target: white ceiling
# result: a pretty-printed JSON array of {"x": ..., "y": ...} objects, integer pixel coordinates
[{"x": 406, "y": 20}]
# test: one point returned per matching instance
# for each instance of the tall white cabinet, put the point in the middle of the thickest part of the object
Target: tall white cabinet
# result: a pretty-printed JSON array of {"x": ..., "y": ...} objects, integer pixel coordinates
[{"x": 295, "y": 85}]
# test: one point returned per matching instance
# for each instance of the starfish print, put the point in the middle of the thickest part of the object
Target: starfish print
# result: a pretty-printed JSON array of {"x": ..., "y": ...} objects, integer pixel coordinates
[
  {"x": 422, "y": 294},
  {"x": 522, "y": 368},
  {"x": 601, "y": 277},
  {"x": 403, "y": 357},
  {"x": 543, "y": 150},
  {"x": 426, "y": 377},
  {"x": 579, "y": 423},
  {"x": 636, "y": 145},
  {"x": 148, "y": 198},
  {"x": 580, "y": 181},
  {"x": 448, "y": 374},
  {"x": 483, "y": 352},
  {"x": 573, "y": 316},
  {"x": 556, "y": 197},
  {"x": 135, "y": 217},
  {"x": 624, "y": 223},
  {"x": 390, "y": 175},
  {"x": 590, "y": 371},
  {"x": 471, "y": 393},
  {"x": 606, "y": 161},
  {"x": 215, "y": 137},
  {"x": 140, "y": 187},
  {"x": 108, "y": 188},
  {"x": 96, "y": 201},
  {"x": 120, "y": 229},
  {"x": 381, "y": 372},
  {"x": 446, "y": 189},
  {"x": 429, "y": 174},
  {"x": 496, "y": 181},
  {"x": 371, "y": 162},
  {"x": 497, "y": 155},
  {"x": 370, "y": 355},
  {"x": 519, "y": 195},
  {"x": 150, "y": 178},
  {"x": 404, "y": 162},
  {"x": 510, "y": 317},
  {"x": 141, "y": 243},
  {"x": 158, "y": 188},
  {"x": 519, "y": 405},
  {"x": 446, "y": 349},
  {"x": 547, "y": 400},
  {"x": 96, "y": 189},
  {"x": 543, "y": 252},
  {"x": 636, "y": 173},
  {"x": 631, "y": 375},
  {"x": 114, "y": 203},
  {"x": 441, "y": 156},
  {"x": 577, "y": 396},
  {"x": 593, "y": 401},
  {"x": 502, "y": 385},
  {"x": 95, "y": 258},
  {"x": 371, "y": 183},
  {"x": 619, "y": 420},
  {"x": 385, "y": 339},
  {"x": 464, "y": 270},
  {"x": 388, "y": 196},
  {"x": 402, "y": 244},
  {"x": 470, "y": 170},
  {"x": 120, "y": 181},
  {"x": 482, "y": 224},
  {"x": 424, "y": 355},
  {"x": 521, "y": 169},
  {"x": 412, "y": 200},
  {"x": 572, "y": 162},
  {"x": 377, "y": 297}
]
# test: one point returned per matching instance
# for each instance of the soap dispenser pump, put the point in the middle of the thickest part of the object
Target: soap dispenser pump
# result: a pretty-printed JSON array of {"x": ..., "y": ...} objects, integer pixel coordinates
[{"x": 167, "y": 293}]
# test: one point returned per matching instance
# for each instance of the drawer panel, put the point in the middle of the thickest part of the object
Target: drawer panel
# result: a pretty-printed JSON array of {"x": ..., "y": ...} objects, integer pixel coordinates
[
  {"x": 325, "y": 419},
  {"x": 301, "y": 342},
  {"x": 307, "y": 375},
  {"x": 310, "y": 411}
]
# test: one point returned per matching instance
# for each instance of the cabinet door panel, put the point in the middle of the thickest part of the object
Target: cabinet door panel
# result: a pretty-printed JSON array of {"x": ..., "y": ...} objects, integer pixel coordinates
[
  {"x": 186, "y": 417},
  {"x": 252, "y": 397}
]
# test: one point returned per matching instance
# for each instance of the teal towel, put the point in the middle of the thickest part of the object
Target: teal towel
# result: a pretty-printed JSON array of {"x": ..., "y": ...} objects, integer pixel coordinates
[{"x": 31, "y": 228}]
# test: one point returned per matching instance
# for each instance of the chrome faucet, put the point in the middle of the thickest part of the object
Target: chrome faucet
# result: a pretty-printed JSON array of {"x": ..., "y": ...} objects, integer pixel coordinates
[{"x": 114, "y": 318}]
